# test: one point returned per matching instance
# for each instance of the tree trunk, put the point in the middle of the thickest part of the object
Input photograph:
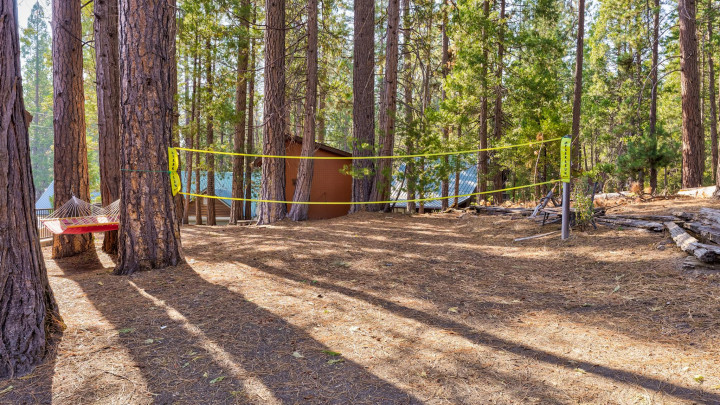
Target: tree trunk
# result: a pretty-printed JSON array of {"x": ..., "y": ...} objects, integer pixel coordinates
[
  {"x": 577, "y": 96},
  {"x": 273, "y": 170},
  {"x": 363, "y": 102},
  {"x": 210, "y": 136},
  {"x": 407, "y": 100},
  {"x": 191, "y": 135},
  {"x": 713, "y": 101},
  {"x": 653, "y": 92},
  {"x": 497, "y": 125},
  {"x": 149, "y": 236},
  {"x": 28, "y": 312},
  {"x": 250, "y": 131},
  {"x": 690, "y": 83},
  {"x": 236, "y": 207},
  {"x": 199, "y": 201},
  {"x": 107, "y": 70},
  {"x": 175, "y": 138},
  {"x": 456, "y": 203},
  {"x": 71, "y": 162},
  {"x": 388, "y": 109},
  {"x": 299, "y": 212},
  {"x": 321, "y": 116},
  {"x": 482, "y": 164},
  {"x": 445, "y": 187}
]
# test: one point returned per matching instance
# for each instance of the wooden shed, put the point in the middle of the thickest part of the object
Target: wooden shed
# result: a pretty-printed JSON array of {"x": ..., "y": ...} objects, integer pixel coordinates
[{"x": 329, "y": 183}]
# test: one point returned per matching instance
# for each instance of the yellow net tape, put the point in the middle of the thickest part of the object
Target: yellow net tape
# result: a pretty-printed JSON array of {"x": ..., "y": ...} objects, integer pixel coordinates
[
  {"x": 369, "y": 202},
  {"x": 369, "y": 157}
]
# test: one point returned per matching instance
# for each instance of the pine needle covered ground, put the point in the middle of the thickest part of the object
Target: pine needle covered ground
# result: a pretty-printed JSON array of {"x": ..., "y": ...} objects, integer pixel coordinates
[{"x": 386, "y": 308}]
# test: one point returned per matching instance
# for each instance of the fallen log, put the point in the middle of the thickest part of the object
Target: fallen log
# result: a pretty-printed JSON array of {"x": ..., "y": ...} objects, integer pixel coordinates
[
  {"x": 693, "y": 265},
  {"x": 706, "y": 232},
  {"x": 542, "y": 235},
  {"x": 502, "y": 211},
  {"x": 690, "y": 245},
  {"x": 642, "y": 217},
  {"x": 631, "y": 223},
  {"x": 698, "y": 192},
  {"x": 709, "y": 216},
  {"x": 543, "y": 203}
]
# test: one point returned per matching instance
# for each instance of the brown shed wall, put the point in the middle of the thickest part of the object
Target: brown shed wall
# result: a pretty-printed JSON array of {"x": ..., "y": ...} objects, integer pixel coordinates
[{"x": 328, "y": 184}]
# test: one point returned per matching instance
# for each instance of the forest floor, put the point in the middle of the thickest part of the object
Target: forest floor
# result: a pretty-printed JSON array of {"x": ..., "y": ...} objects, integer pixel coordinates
[{"x": 388, "y": 308}]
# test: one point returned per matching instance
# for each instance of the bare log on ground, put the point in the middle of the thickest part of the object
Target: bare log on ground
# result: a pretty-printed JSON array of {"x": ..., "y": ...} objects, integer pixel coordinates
[
  {"x": 705, "y": 232},
  {"x": 536, "y": 236},
  {"x": 631, "y": 223},
  {"x": 543, "y": 203},
  {"x": 690, "y": 245},
  {"x": 503, "y": 211},
  {"x": 643, "y": 217}
]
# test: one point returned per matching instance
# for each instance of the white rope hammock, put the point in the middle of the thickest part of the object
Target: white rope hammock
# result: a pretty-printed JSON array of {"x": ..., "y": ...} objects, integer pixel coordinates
[{"x": 77, "y": 216}]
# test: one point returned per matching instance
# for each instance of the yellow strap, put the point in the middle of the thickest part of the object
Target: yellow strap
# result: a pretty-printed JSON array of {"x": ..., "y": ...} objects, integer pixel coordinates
[
  {"x": 368, "y": 202},
  {"x": 367, "y": 157}
]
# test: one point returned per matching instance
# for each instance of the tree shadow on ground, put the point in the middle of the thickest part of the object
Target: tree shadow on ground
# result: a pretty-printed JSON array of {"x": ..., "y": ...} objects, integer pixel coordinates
[
  {"x": 197, "y": 342},
  {"x": 334, "y": 242},
  {"x": 440, "y": 265},
  {"x": 497, "y": 343}
]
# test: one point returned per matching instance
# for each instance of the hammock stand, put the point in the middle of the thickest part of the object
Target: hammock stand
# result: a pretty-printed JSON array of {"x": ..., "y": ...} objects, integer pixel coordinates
[{"x": 77, "y": 217}]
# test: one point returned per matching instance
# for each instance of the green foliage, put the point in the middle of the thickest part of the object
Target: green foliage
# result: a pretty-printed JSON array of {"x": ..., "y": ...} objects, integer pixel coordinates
[
  {"x": 582, "y": 202},
  {"x": 37, "y": 92}
]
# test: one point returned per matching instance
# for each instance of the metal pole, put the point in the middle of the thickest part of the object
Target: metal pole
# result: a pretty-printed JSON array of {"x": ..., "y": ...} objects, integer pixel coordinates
[
  {"x": 566, "y": 211},
  {"x": 565, "y": 176}
]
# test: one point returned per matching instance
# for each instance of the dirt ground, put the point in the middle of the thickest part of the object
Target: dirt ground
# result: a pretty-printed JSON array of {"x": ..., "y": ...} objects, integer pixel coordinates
[{"x": 387, "y": 308}]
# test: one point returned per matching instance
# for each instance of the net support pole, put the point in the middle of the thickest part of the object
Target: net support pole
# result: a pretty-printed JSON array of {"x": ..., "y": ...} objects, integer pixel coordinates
[
  {"x": 565, "y": 177},
  {"x": 566, "y": 211}
]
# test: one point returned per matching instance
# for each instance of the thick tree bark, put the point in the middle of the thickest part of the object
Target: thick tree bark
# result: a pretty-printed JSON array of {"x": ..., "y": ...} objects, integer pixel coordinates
[
  {"x": 273, "y": 170},
  {"x": 107, "y": 70},
  {"x": 149, "y": 233},
  {"x": 363, "y": 102},
  {"x": 236, "y": 207},
  {"x": 482, "y": 164},
  {"x": 653, "y": 91},
  {"x": 445, "y": 187},
  {"x": 210, "y": 137},
  {"x": 577, "y": 96},
  {"x": 71, "y": 162},
  {"x": 692, "y": 146},
  {"x": 250, "y": 131},
  {"x": 498, "y": 118},
  {"x": 388, "y": 109},
  {"x": 28, "y": 312},
  {"x": 299, "y": 212}
]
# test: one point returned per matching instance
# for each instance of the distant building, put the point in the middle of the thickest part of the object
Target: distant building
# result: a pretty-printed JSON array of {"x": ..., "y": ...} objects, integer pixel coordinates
[{"x": 329, "y": 182}]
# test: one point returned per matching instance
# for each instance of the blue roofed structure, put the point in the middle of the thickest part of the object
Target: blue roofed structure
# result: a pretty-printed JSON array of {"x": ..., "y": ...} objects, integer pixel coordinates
[
  {"x": 468, "y": 185},
  {"x": 45, "y": 202}
]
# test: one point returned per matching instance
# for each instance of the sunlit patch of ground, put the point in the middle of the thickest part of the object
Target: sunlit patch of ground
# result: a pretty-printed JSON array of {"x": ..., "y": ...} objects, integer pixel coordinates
[{"x": 386, "y": 308}]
